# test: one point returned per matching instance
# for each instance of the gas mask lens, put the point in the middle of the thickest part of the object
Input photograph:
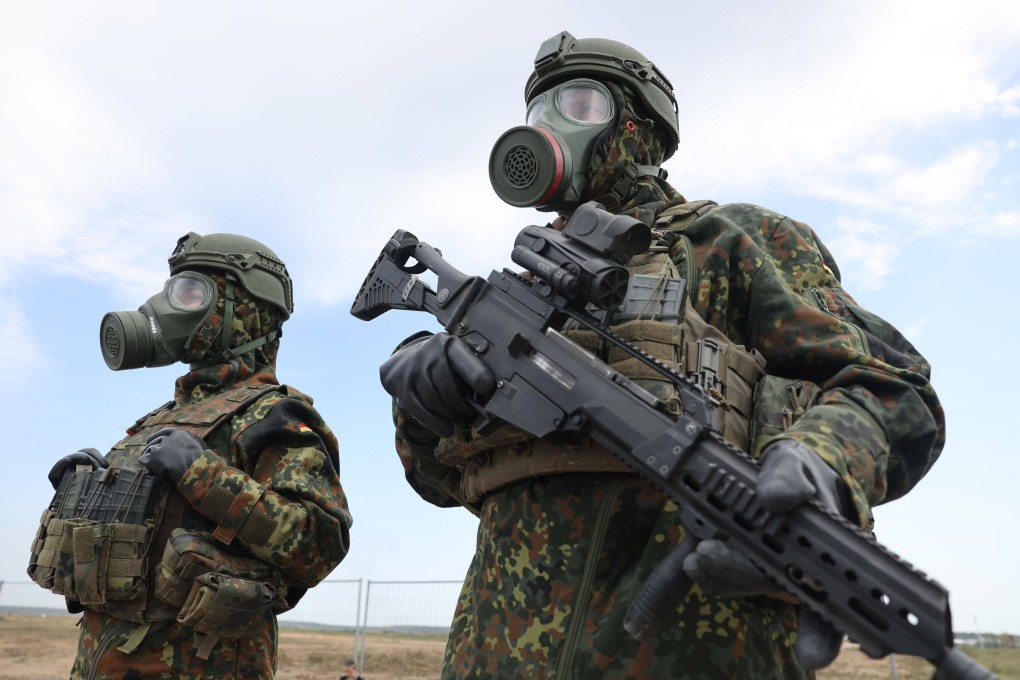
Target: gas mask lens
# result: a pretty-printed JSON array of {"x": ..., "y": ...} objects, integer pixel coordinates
[
  {"x": 584, "y": 104},
  {"x": 189, "y": 292}
]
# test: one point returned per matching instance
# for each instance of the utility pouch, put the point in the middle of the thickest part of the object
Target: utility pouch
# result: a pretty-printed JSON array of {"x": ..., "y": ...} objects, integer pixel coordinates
[
  {"x": 778, "y": 404},
  {"x": 66, "y": 501},
  {"x": 55, "y": 569},
  {"x": 109, "y": 562},
  {"x": 227, "y": 606},
  {"x": 189, "y": 555},
  {"x": 45, "y": 577}
]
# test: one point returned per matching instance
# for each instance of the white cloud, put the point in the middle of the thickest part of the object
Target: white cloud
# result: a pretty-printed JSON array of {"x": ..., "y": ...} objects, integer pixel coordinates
[
  {"x": 932, "y": 195},
  {"x": 1003, "y": 224},
  {"x": 73, "y": 176},
  {"x": 19, "y": 350},
  {"x": 951, "y": 179},
  {"x": 827, "y": 111},
  {"x": 914, "y": 330},
  {"x": 129, "y": 125},
  {"x": 1009, "y": 102},
  {"x": 449, "y": 206},
  {"x": 867, "y": 254}
]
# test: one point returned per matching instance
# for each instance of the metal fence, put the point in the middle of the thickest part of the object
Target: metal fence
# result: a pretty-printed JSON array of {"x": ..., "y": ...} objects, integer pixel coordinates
[
  {"x": 357, "y": 605},
  {"x": 407, "y": 606}
]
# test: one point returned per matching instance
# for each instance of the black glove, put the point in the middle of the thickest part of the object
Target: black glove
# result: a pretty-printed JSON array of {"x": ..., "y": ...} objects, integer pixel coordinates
[
  {"x": 79, "y": 457},
  {"x": 433, "y": 379},
  {"x": 170, "y": 452},
  {"x": 791, "y": 473}
]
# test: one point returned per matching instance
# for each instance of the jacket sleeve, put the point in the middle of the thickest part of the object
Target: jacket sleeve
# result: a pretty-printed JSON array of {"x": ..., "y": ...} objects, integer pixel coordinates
[
  {"x": 435, "y": 482},
  {"x": 278, "y": 492},
  {"x": 769, "y": 283}
]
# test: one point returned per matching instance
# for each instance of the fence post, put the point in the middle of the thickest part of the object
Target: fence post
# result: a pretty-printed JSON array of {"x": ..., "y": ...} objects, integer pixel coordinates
[
  {"x": 357, "y": 623},
  {"x": 364, "y": 627}
]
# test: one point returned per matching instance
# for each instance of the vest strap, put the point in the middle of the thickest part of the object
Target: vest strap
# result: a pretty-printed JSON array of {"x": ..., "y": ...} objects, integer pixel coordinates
[{"x": 135, "y": 638}]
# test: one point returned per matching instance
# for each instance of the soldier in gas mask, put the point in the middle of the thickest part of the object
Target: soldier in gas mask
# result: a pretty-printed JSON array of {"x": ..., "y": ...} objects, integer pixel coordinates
[
  {"x": 220, "y": 508},
  {"x": 833, "y": 400}
]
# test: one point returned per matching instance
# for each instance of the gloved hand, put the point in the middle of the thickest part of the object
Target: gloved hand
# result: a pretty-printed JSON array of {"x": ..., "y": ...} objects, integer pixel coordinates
[
  {"x": 170, "y": 452},
  {"x": 791, "y": 473},
  {"x": 79, "y": 457},
  {"x": 433, "y": 379}
]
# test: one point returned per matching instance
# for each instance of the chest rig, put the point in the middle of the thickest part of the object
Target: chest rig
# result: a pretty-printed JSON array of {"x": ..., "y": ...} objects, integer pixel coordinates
[
  {"x": 101, "y": 540},
  {"x": 659, "y": 319}
]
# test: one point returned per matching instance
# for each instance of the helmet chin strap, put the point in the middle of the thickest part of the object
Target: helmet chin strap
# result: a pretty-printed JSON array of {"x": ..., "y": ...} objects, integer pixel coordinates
[
  {"x": 227, "y": 353},
  {"x": 618, "y": 194},
  {"x": 228, "y": 318}
]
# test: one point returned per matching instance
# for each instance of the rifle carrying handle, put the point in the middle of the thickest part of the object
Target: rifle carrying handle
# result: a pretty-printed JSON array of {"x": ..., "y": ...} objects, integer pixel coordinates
[{"x": 661, "y": 593}]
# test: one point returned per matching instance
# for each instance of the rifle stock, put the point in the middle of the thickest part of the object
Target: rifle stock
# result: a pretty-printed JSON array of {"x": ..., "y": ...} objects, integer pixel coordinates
[{"x": 549, "y": 386}]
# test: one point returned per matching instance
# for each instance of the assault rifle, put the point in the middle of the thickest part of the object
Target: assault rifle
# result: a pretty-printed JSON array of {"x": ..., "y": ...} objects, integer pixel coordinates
[{"x": 551, "y": 387}]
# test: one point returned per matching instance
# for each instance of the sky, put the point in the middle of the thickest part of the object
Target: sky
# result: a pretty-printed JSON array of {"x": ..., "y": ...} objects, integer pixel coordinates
[{"x": 892, "y": 128}]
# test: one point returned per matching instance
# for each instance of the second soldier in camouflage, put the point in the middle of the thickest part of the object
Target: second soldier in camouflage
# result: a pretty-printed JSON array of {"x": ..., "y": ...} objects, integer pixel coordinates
[{"x": 247, "y": 512}]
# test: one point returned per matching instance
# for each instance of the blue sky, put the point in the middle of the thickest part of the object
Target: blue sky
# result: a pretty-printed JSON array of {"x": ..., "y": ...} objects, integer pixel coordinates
[{"x": 891, "y": 128}]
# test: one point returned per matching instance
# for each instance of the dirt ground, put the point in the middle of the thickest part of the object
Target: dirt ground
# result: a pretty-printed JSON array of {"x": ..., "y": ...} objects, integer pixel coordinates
[{"x": 42, "y": 648}]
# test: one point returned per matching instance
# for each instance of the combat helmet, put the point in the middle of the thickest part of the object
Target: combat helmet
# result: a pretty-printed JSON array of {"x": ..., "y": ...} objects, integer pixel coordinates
[
  {"x": 259, "y": 269},
  {"x": 564, "y": 57}
]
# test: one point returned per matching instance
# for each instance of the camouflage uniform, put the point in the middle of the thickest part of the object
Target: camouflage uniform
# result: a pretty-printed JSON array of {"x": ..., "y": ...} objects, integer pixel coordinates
[
  {"x": 267, "y": 485},
  {"x": 560, "y": 558}
]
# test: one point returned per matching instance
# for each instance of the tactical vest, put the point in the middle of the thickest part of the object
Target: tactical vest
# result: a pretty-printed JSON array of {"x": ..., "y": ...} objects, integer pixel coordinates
[
  {"x": 659, "y": 319},
  {"x": 108, "y": 560}
]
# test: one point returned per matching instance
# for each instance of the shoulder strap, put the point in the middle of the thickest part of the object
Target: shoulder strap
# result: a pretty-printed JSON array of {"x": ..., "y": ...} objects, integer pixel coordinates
[
  {"x": 137, "y": 425},
  {"x": 669, "y": 227},
  {"x": 203, "y": 417},
  {"x": 677, "y": 217}
]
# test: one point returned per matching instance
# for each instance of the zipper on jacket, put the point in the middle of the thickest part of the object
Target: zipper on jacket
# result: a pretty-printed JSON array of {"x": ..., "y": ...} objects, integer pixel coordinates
[
  {"x": 583, "y": 597},
  {"x": 105, "y": 640}
]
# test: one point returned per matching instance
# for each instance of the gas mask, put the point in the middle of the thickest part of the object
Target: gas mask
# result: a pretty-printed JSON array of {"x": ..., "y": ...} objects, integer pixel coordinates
[
  {"x": 159, "y": 333},
  {"x": 544, "y": 164}
]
